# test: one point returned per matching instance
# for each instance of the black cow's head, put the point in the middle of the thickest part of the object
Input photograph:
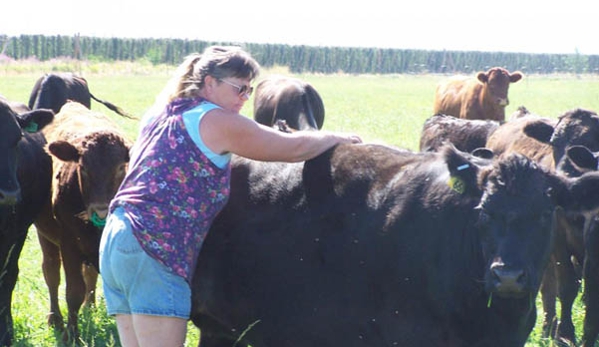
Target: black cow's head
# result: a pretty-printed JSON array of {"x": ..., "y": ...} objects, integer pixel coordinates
[
  {"x": 101, "y": 160},
  {"x": 12, "y": 127},
  {"x": 520, "y": 202},
  {"x": 516, "y": 219},
  {"x": 575, "y": 127},
  {"x": 293, "y": 100}
]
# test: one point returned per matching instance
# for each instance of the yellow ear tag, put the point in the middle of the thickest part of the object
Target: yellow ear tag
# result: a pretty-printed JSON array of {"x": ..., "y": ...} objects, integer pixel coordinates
[{"x": 457, "y": 184}]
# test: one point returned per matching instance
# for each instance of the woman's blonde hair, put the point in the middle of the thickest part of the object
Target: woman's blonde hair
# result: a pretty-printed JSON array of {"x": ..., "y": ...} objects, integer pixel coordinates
[{"x": 216, "y": 61}]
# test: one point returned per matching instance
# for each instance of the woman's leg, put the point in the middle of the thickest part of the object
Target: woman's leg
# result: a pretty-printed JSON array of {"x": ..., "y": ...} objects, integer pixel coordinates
[
  {"x": 159, "y": 331},
  {"x": 124, "y": 323}
]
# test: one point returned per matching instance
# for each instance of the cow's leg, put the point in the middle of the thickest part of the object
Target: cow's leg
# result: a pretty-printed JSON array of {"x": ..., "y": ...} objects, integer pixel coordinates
[
  {"x": 211, "y": 341},
  {"x": 548, "y": 296},
  {"x": 90, "y": 276},
  {"x": 10, "y": 249},
  {"x": 48, "y": 235},
  {"x": 591, "y": 286},
  {"x": 568, "y": 286},
  {"x": 51, "y": 270},
  {"x": 75, "y": 287}
]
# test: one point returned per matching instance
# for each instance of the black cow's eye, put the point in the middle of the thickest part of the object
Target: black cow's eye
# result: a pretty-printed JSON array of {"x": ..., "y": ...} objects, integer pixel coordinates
[
  {"x": 83, "y": 173},
  {"x": 546, "y": 216},
  {"x": 483, "y": 218}
]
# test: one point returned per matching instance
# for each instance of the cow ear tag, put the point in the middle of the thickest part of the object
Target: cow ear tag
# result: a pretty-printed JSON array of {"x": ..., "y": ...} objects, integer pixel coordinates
[
  {"x": 456, "y": 183},
  {"x": 97, "y": 221},
  {"x": 31, "y": 127}
]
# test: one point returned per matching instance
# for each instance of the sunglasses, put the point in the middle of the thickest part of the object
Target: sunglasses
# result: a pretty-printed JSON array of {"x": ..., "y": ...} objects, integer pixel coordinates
[{"x": 243, "y": 90}]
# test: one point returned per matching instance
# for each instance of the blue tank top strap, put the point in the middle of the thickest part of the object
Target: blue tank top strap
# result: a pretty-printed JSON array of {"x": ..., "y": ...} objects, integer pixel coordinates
[{"x": 192, "y": 119}]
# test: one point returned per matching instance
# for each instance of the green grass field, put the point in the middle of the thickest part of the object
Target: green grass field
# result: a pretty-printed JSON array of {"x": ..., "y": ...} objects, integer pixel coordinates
[{"x": 388, "y": 109}]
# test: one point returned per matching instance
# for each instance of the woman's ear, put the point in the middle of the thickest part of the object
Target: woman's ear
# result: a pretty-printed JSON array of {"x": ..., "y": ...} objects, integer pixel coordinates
[
  {"x": 210, "y": 81},
  {"x": 209, "y": 84}
]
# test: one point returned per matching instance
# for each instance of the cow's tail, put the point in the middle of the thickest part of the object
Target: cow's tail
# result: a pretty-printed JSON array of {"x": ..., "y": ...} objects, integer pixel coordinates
[{"x": 113, "y": 107}]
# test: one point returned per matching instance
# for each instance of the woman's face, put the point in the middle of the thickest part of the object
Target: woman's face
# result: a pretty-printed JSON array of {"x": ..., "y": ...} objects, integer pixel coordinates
[{"x": 231, "y": 93}]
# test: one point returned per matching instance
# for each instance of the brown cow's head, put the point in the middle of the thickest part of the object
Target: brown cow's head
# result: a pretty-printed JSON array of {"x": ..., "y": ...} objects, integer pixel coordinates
[
  {"x": 497, "y": 81},
  {"x": 101, "y": 159}
]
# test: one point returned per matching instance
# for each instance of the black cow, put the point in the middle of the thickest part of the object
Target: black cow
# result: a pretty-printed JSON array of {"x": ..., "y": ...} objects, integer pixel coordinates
[
  {"x": 53, "y": 90},
  {"x": 465, "y": 134},
  {"x": 368, "y": 245},
  {"x": 25, "y": 176},
  {"x": 548, "y": 141},
  {"x": 577, "y": 132},
  {"x": 290, "y": 99},
  {"x": 591, "y": 285}
]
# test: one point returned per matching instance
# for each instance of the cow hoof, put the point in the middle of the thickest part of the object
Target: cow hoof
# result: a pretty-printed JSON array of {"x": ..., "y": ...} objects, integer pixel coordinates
[
  {"x": 562, "y": 342},
  {"x": 55, "y": 321},
  {"x": 549, "y": 328},
  {"x": 70, "y": 337},
  {"x": 565, "y": 335}
]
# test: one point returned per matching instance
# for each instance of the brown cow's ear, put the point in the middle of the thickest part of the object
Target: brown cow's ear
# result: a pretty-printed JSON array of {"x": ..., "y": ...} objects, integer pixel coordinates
[
  {"x": 515, "y": 76},
  {"x": 483, "y": 77},
  {"x": 63, "y": 151}
]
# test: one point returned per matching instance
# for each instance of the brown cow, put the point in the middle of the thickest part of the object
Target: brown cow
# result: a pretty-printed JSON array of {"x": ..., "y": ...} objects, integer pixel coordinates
[
  {"x": 482, "y": 98},
  {"x": 521, "y": 135},
  {"x": 90, "y": 158},
  {"x": 548, "y": 141}
]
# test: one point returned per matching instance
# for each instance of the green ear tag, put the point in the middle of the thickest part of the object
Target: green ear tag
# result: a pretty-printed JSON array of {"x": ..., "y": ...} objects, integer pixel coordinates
[
  {"x": 97, "y": 221},
  {"x": 31, "y": 127},
  {"x": 457, "y": 184}
]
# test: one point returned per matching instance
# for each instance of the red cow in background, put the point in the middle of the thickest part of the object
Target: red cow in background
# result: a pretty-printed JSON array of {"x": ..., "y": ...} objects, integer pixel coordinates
[{"x": 482, "y": 98}]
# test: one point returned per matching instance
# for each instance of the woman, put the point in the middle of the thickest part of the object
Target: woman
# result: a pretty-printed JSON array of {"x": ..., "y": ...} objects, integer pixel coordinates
[{"x": 177, "y": 182}]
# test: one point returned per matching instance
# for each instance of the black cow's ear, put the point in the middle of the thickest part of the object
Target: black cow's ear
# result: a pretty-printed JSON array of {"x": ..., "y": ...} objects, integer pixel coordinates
[
  {"x": 583, "y": 194},
  {"x": 463, "y": 171},
  {"x": 35, "y": 120},
  {"x": 582, "y": 157},
  {"x": 483, "y": 152},
  {"x": 64, "y": 151},
  {"x": 539, "y": 130}
]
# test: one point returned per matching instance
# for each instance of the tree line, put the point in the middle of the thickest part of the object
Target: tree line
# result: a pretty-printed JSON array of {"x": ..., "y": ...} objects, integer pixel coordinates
[{"x": 299, "y": 59}]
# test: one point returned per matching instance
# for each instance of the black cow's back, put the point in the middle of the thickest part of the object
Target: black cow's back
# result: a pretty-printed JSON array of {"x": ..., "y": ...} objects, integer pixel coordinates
[
  {"x": 53, "y": 90},
  {"x": 331, "y": 246}
]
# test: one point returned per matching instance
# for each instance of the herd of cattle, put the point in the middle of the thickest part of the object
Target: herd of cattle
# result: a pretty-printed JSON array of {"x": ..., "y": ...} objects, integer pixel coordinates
[{"x": 365, "y": 245}]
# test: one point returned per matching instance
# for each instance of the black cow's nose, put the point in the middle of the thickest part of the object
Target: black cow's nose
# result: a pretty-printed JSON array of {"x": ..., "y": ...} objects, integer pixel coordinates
[
  {"x": 508, "y": 281},
  {"x": 10, "y": 197}
]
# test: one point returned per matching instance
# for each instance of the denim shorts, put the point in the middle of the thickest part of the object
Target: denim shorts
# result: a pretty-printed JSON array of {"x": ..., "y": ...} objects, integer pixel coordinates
[{"x": 133, "y": 281}]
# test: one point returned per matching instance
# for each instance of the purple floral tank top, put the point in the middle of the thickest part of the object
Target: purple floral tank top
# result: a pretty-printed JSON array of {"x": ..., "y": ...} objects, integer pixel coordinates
[{"x": 172, "y": 191}]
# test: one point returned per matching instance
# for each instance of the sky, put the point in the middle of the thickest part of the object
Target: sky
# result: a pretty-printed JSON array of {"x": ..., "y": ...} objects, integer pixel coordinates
[{"x": 521, "y": 26}]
